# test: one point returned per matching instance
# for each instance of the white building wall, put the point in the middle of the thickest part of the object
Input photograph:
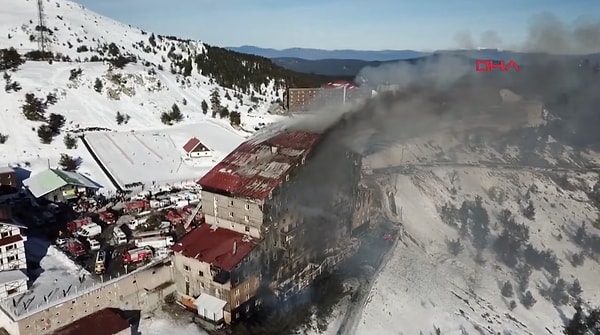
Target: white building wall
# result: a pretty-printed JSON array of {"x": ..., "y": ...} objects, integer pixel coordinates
[
  {"x": 11, "y": 326},
  {"x": 238, "y": 214},
  {"x": 13, "y": 287},
  {"x": 198, "y": 154},
  {"x": 12, "y": 256}
]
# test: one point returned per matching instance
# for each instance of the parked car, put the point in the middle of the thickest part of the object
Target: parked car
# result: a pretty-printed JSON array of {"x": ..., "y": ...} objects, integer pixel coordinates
[{"x": 94, "y": 244}]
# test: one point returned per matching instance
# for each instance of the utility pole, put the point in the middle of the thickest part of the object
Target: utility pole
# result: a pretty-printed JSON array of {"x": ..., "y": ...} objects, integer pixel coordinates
[{"x": 42, "y": 27}]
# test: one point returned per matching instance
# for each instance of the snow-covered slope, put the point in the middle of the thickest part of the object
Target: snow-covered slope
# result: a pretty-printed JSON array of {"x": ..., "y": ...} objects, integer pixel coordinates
[
  {"x": 142, "y": 90},
  {"x": 424, "y": 287}
]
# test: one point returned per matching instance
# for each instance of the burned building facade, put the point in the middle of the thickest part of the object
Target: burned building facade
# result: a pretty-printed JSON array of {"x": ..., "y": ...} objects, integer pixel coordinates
[{"x": 294, "y": 193}]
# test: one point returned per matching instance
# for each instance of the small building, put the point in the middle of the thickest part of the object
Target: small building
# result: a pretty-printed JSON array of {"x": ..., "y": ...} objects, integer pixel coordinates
[
  {"x": 276, "y": 108},
  {"x": 8, "y": 182},
  {"x": 60, "y": 186},
  {"x": 218, "y": 272},
  {"x": 194, "y": 149},
  {"x": 13, "y": 279}
]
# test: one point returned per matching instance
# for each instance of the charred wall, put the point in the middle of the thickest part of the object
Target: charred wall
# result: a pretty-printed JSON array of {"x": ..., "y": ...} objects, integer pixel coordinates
[{"x": 311, "y": 214}]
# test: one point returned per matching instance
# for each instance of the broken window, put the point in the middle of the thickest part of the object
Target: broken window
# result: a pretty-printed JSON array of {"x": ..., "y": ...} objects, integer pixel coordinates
[
  {"x": 247, "y": 229},
  {"x": 186, "y": 268},
  {"x": 231, "y": 202},
  {"x": 247, "y": 207},
  {"x": 200, "y": 273},
  {"x": 246, "y": 218},
  {"x": 230, "y": 214}
]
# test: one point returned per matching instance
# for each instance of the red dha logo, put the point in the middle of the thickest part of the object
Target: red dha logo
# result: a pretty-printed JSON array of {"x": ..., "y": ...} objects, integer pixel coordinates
[{"x": 484, "y": 65}]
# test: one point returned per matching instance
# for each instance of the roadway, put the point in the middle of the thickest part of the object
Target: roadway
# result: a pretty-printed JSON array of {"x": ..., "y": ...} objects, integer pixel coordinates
[{"x": 406, "y": 168}]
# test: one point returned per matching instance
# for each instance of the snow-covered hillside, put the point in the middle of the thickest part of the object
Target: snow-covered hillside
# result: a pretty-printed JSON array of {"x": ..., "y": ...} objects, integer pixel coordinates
[
  {"x": 425, "y": 286},
  {"x": 141, "y": 91}
]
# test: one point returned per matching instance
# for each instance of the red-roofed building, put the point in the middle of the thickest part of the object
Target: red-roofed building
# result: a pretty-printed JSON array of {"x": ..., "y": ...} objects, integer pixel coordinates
[
  {"x": 220, "y": 263},
  {"x": 194, "y": 149},
  {"x": 299, "y": 215}
]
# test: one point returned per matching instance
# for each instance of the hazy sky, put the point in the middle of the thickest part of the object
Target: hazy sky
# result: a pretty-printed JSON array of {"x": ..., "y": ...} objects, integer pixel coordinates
[{"x": 336, "y": 24}]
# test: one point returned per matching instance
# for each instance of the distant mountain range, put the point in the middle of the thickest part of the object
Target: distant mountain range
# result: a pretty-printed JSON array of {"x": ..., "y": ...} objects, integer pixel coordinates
[{"x": 319, "y": 54}]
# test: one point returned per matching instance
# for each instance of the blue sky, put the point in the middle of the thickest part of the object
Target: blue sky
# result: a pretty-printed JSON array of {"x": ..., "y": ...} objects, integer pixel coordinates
[{"x": 336, "y": 24}]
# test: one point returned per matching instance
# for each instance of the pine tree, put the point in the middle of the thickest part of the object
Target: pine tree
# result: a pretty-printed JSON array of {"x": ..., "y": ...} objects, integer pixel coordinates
[
  {"x": 56, "y": 122},
  {"x": 120, "y": 118},
  {"x": 204, "y": 106},
  {"x": 175, "y": 114},
  {"x": 98, "y": 85},
  {"x": 454, "y": 246},
  {"x": 215, "y": 101},
  {"x": 529, "y": 211},
  {"x": 575, "y": 289},
  {"x": 578, "y": 324},
  {"x": 235, "y": 118},
  {"x": 45, "y": 134},
  {"x": 507, "y": 289},
  {"x": 528, "y": 300},
  {"x": 68, "y": 163},
  {"x": 70, "y": 142},
  {"x": 33, "y": 109}
]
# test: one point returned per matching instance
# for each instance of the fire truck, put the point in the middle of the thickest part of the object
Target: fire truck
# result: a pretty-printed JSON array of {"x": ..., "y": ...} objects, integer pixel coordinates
[
  {"x": 137, "y": 255},
  {"x": 76, "y": 224},
  {"x": 137, "y": 206},
  {"x": 107, "y": 217},
  {"x": 75, "y": 247}
]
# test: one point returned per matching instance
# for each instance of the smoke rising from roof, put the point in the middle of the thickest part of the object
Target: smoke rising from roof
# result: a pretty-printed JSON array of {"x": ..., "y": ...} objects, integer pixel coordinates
[{"x": 546, "y": 34}]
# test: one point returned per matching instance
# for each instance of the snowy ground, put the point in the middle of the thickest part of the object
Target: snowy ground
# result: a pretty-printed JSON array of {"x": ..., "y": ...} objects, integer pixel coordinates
[
  {"x": 162, "y": 324},
  {"x": 57, "y": 273},
  {"x": 424, "y": 286},
  {"x": 141, "y": 90},
  {"x": 149, "y": 157}
]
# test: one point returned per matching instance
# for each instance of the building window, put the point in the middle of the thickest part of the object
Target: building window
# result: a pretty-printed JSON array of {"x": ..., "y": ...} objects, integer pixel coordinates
[
  {"x": 246, "y": 218},
  {"x": 237, "y": 304},
  {"x": 287, "y": 177},
  {"x": 231, "y": 203},
  {"x": 303, "y": 160},
  {"x": 247, "y": 285},
  {"x": 237, "y": 292},
  {"x": 247, "y": 229},
  {"x": 257, "y": 302},
  {"x": 247, "y": 207},
  {"x": 247, "y": 296},
  {"x": 230, "y": 214},
  {"x": 10, "y": 247},
  {"x": 186, "y": 268},
  {"x": 200, "y": 273},
  {"x": 4, "y": 234}
]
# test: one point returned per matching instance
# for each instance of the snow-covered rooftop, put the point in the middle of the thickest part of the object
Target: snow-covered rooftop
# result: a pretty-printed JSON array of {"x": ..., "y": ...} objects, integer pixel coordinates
[
  {"x": 52, "y": 179},
  {"x": 12, "y": 276},
  {"x": 155, "y": 156},
  {"x": 60, "y": 279}
]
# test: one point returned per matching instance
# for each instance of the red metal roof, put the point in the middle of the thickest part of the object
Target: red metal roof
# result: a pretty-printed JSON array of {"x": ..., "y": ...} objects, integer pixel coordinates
[
  {"x": 10, "y": 240},
  {"x": 104, "y": 322},
  {"x": 215, "y": 247},
  {"x": 255, "y": 169},
  {"x": 191, "y": 145}
]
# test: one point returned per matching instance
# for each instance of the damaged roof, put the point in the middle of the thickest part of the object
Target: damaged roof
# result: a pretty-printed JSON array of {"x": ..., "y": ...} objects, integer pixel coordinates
[
  {"x": 254, "y": 169},
  {"x": 223, "y": 248}
]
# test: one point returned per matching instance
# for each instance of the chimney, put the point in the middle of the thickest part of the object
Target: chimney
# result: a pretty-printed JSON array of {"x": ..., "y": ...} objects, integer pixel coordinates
[{"x": 234, "y": 247}]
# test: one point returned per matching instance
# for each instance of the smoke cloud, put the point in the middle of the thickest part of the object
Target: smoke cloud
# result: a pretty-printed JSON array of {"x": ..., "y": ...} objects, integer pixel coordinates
[{"x": 545, "y": 34}]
